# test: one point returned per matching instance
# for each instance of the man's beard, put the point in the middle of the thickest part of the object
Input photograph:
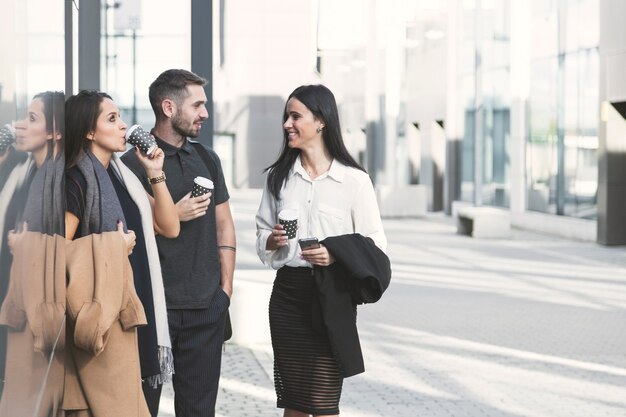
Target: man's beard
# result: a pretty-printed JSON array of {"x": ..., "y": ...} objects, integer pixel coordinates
[{"x": 177, "y": 125}]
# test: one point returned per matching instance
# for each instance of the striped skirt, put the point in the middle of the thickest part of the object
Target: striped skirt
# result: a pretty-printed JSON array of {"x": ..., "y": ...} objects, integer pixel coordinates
[{"x": 306, "y": 376}]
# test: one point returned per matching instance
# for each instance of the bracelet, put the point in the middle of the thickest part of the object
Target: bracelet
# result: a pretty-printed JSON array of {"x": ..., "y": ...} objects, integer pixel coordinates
[
  {"x": 234, "y": 249},
  {"x": 158, "y": 179}
]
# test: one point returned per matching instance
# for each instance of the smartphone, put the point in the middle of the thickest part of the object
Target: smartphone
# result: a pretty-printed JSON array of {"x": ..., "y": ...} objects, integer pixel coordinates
[{"x": 309, "y": 243}]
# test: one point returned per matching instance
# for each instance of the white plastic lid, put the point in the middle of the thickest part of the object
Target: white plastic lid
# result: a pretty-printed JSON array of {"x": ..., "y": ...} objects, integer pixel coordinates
[{"x": 204, "y": 182}]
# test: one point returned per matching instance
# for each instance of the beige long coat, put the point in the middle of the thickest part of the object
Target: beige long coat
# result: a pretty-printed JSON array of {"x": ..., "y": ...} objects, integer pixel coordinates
[{"x": 103, "y": 376}]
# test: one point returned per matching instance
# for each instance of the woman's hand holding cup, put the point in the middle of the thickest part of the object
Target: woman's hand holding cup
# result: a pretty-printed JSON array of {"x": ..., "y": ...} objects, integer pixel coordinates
[
  {"x": 277, "y": 239},
  {"x": 153, "y": 163},
  {"x": 284, "y": 230}
]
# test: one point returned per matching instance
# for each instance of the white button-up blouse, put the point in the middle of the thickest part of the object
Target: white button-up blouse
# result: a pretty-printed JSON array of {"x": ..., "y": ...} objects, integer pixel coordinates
[{"x": 340, "y": 201}]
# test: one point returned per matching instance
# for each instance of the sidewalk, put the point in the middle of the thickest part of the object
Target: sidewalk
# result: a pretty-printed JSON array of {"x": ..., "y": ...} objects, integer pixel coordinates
[{"x": 532, "y": 326}]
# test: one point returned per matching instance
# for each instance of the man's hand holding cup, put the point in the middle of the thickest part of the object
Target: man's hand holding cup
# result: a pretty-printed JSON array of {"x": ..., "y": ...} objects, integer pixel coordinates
[{"x": 195, "y": 203}]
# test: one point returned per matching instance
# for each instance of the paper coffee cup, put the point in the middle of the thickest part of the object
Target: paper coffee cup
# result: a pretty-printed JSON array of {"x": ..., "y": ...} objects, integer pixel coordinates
[
  {"x": 288, "y": 218},
  {"x": 201, "y": 186},
  {"x": 137, "y": 136},
  {"x": 7, "y": 137}
]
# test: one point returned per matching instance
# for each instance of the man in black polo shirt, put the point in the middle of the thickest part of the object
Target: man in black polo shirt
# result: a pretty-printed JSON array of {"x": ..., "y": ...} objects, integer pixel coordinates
[{"x": 198, "y": 265}]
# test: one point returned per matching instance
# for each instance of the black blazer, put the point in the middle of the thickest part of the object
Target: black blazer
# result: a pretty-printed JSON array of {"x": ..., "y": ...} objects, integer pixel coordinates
[{"x": 360, "y": 275}]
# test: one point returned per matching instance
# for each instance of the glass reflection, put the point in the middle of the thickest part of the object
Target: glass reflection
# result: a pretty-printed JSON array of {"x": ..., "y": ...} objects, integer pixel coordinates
[
  {"x": 495, "y": 26},
  {"x": 32, "y": 277},
  {"x": 563, "y": 141},
  {"x": 485, "y": 92}
]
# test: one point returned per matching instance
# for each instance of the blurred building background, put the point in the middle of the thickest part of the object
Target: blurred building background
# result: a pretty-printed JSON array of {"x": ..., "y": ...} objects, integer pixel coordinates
[{"x": 517, "y": 105}]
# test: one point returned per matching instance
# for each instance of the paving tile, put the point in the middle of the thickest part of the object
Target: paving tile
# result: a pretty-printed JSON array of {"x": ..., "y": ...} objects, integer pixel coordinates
[{"x": 531, "y": 326}]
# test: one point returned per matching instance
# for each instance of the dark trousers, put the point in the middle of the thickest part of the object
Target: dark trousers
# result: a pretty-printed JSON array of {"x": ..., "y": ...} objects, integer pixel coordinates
[{"x": 197, "y": 338}]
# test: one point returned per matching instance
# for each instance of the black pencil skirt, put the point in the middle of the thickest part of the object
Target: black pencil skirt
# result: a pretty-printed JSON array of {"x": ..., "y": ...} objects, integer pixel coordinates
[{"x": 306, "y": 376}]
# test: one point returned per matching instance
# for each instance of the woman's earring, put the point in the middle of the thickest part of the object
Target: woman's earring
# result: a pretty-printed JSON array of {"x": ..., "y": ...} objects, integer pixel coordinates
[{"x": 319, "y": 129}]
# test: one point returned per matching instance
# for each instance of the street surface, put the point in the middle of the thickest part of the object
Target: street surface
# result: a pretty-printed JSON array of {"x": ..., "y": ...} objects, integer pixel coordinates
[{"x": 531, "y": 326}]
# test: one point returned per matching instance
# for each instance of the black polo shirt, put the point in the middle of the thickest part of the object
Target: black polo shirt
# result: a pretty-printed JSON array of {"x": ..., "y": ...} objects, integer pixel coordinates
[{"x": 190, "y": 262}]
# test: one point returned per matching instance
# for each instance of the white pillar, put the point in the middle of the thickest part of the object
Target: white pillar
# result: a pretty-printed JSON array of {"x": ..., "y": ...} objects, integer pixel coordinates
[
  {"x": 454, "y": 127},
  {"x": 611, "y": 226},
  {"x": 519, "y": 87},
  {"x": 394, "y": 60},
  {"x": 372, "y": 91}
]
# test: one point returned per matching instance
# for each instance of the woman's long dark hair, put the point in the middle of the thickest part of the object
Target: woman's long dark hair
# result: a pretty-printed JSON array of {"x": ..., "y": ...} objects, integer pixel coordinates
[
  {"x": 53, "y": 112},
  {"x": 81, "y": 115},
  {"x": 321, "y": 102},
  {"x": 52, "y": 109}
]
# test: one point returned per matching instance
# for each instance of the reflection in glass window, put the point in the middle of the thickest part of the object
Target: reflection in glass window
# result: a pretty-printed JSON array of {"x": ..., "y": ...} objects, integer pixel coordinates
[
  {"x": 563, "y": 140},
  {"x": 155, "y": 46},
  {"x": 484, "y": 80},
  {"x": 32, "y": 294},
  {"x": 542, "y": 140}
]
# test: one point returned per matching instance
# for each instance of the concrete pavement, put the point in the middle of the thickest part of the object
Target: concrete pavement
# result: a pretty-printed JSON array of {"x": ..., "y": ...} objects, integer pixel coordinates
[{"x": 531, "y": 326}]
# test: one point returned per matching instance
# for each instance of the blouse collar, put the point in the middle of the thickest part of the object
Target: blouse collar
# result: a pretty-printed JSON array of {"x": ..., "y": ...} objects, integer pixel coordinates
[{"x": 337, "y": 170}]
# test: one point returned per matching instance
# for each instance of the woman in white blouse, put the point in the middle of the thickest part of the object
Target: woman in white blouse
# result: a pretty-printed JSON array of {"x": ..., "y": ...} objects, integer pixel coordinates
[{"x": 333, "y": 195}]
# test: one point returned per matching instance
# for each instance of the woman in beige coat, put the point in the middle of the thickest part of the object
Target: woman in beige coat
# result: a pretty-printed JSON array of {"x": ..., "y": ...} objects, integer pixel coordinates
[{"x": 106, "y": 204}]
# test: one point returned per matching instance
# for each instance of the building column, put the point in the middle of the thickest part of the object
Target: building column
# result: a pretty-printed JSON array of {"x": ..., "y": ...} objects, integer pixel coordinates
[
  {"x": 202, "y": 58},
  {"x": 612, "y": 129},
  {"x": 479, "y": 114},
  {"x": 453, "y": 129},
  {"x": 89, "y": 28},
  {"x": 374, "y": 129},
  {"x": 69, "y": 45},
  {"x": 394, "y": 33},
  {"x": 519, "y": 84}
]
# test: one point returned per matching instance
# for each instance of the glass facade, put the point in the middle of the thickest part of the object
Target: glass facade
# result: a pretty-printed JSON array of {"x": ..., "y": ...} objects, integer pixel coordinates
[
  {"x": 494, "y": 67},
  {"x": 32, "y": 80},
  {"x": 467, "y": 82},
  {"x": 562, "y": 146},
  {"x": 484, "y": 74},
  {"x": 132, "y": 59},
  {"x": 562, "y": 136}
]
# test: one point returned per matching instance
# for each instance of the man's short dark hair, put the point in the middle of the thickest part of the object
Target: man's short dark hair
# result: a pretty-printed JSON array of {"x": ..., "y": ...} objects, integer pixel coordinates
[{"x": 171, "y": 84}]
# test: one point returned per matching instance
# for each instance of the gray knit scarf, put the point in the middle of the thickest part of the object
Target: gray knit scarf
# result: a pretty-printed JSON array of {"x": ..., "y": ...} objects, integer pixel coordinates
[
  {"x": 102, "y": 207},
  {"x": 44, "y": 207}
]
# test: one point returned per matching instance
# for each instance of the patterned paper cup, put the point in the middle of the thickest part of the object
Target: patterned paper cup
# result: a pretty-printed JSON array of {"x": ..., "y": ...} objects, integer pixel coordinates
[
  {"x": 288, "y": 218},
  {"x": 137, "y": 136},
  {"x": 7, "y": 137},
  {"x": 201, "y": 186}
]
